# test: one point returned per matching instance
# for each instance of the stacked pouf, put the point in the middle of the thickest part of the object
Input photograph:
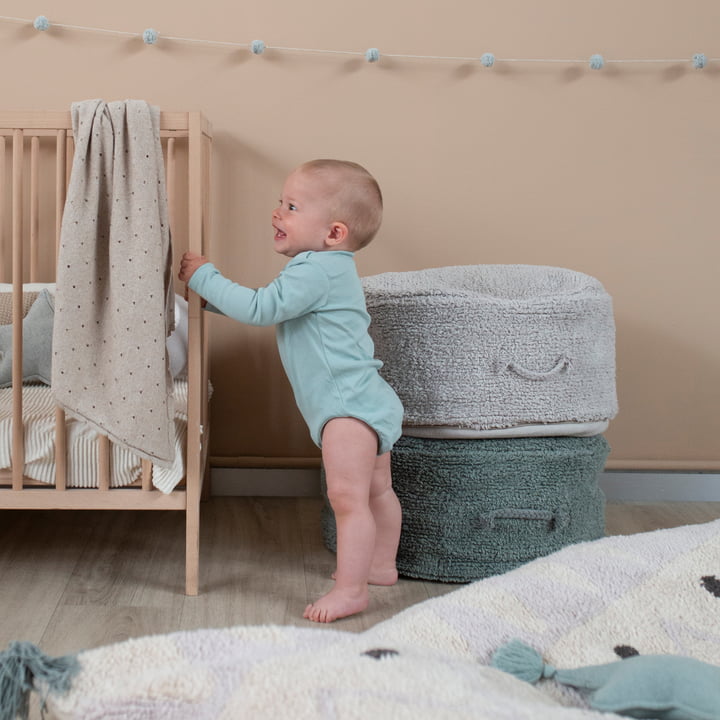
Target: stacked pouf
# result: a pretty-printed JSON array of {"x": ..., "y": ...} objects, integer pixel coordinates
[{"x": 507, "y": 376}]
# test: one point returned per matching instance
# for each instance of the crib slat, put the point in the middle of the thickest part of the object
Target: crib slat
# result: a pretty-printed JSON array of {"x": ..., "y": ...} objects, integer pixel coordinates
[
  {"x": 60, "y": 192},
  {"x": 60, "y": 182},
  {"x": 69, "y": 152},
  {"x": 18, "y": 443},
  {"x": 204, "y": 399},
  {"x": 196, "y": 185},
  {"x": 34, "y": 206},
  {"x": 103, "y": 462},
  {"x": 2, "y": 209},
  {"x": 170, "y": 182},
  {"x": 146, "y": 475},
  {"x": 60, "y": 450}
]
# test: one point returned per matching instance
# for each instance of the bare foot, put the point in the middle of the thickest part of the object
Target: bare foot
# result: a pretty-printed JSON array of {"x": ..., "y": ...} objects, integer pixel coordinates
[
  {"x": 385, "y": 576},
  {"x": 337, "y": 604}
]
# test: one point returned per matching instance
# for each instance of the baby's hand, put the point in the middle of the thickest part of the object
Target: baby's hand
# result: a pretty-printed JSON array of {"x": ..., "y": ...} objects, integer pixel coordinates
[{"x": 189, "y": 263}]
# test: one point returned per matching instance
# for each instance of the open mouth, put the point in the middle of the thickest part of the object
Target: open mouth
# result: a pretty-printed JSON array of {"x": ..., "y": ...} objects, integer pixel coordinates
[{"x": 279, "y": 234}]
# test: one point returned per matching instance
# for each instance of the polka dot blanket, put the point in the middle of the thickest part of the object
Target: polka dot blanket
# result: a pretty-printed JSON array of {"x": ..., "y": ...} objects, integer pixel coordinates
[{"x": 114, "y": 301}]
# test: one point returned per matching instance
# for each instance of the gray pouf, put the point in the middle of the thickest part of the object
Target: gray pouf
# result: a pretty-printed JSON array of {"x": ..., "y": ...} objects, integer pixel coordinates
[
  {"x": 475, "y": 508},
  {"x": 495, "y": 346}
]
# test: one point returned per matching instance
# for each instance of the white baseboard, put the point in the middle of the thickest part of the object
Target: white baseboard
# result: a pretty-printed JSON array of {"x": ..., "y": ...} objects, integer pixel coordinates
[
  {"x": 646, "y": 486},
  {"x": 618, "y": 486}
]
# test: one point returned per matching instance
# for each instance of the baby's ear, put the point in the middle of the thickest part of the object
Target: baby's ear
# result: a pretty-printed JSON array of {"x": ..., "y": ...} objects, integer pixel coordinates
[{"x": 337, "y": 234}]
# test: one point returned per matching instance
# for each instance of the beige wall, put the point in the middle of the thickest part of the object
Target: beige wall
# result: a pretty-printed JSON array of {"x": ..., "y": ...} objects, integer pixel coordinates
[{"x": 613, "y": 173}]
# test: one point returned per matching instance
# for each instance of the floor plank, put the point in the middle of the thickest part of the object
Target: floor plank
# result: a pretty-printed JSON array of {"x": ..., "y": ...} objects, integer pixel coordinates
[
  {"x": 79, "y": 579},
  {"x": 635, "y": 517}
]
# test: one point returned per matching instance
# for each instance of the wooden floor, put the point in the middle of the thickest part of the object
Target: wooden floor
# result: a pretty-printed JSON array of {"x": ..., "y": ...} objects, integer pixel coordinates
[{"x": 71, "y": 580}]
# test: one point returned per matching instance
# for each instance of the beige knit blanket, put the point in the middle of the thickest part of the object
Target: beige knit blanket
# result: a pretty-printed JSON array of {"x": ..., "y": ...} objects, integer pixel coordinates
[{"x": 114, "y": 303}]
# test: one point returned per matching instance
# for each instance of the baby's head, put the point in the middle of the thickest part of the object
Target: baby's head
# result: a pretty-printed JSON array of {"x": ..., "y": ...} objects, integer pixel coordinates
[{"x": 352, "y": 194}]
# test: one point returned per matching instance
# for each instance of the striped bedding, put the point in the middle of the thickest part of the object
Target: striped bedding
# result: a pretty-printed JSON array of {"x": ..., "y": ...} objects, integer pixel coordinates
[{"x": 39, "y": 417}]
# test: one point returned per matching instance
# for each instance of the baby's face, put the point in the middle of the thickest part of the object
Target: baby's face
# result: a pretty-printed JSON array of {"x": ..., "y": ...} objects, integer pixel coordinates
[{"x": 302, "y": 219}]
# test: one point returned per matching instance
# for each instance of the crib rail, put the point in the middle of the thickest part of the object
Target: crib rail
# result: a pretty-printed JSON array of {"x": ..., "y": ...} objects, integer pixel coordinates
[{"x": 36, "y": 150}]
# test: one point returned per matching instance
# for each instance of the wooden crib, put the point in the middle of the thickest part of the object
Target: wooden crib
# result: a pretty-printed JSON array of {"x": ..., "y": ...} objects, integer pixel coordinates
[{"x": 36, "y": 150}]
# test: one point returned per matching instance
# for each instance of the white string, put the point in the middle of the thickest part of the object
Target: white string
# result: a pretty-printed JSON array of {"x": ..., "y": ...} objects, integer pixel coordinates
[{"x": 403, "y": 56}]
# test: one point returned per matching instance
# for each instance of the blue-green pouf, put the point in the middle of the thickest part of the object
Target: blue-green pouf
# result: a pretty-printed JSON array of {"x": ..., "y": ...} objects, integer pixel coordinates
[{"x": 475, "y": 508}]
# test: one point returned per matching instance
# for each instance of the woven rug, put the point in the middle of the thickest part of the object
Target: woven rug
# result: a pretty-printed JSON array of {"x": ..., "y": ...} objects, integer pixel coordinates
[{"x": 589, "y": 603}]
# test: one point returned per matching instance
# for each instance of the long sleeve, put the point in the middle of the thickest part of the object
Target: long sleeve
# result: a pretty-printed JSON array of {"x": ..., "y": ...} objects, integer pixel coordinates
[{"x": 300, "y": 288}]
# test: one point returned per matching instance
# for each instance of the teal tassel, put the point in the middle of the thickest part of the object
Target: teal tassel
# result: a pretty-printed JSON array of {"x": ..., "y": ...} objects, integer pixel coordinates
[
  {"x": 522, "y": 661},
  {"x": 23, "y": 663}
]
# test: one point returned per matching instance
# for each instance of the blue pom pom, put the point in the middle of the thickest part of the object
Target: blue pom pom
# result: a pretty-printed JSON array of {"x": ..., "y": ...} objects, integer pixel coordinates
[
  {"x": 150, "y": 36},
  {"x": 257, "y": 47},
  {"x": 487, "y": 59},
  {"x": 372, "y": 55},
  {"x": 699, "y": 61},
  {"x": 596, "y": 62},
  {"x": 41, "y": 23}
]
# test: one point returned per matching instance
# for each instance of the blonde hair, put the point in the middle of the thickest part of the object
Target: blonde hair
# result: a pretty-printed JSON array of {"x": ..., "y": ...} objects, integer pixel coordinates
[{"x": 354, "y": 195}]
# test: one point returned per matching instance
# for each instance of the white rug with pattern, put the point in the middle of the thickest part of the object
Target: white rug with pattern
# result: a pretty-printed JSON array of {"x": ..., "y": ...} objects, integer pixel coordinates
[{"x": 651, "y": 593}]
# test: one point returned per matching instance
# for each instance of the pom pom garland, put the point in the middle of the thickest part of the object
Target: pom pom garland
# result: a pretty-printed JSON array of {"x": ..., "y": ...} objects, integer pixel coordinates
[
  {"x": 372, "y": 55},
  {"x": 41, "y": 23},
  {"x": 596, "y": 62},
  {"x": 699, "y": 61},
  {"x": 150, "y": 36}
]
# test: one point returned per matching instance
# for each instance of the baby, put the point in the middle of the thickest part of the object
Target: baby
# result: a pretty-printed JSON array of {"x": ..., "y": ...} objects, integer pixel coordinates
[{"x": 328, "y": 210}]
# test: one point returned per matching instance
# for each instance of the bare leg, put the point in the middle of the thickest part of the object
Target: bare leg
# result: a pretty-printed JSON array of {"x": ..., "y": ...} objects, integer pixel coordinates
[
  {"x": 386, "y": 511},
  {"x": 349, "y": 451}
]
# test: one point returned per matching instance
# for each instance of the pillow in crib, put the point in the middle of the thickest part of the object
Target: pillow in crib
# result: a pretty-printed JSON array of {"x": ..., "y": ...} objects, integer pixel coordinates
[
  {"x": 37, "y": 343},
  {"x": 178, "y": 340},
  {"x": 6, "y": 302}
]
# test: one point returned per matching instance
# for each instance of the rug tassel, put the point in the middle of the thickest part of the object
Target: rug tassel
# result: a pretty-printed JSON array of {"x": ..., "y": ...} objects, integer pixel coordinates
[
  {"x": 522, "y": 661},
  {"x": 23, "y": 663}
]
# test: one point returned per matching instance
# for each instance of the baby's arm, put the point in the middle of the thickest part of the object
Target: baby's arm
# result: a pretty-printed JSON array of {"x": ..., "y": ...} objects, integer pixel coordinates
[{"x": 299, "y": 289}]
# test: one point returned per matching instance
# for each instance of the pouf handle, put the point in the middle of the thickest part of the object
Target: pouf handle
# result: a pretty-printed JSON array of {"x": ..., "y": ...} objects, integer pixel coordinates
[
  {"x": 551, "y": 517},
  {"x": 562, "y": 364}
]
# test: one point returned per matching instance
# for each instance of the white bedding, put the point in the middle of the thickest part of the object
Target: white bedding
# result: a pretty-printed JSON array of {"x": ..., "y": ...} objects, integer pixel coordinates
[{"x": 39, "y": 417}]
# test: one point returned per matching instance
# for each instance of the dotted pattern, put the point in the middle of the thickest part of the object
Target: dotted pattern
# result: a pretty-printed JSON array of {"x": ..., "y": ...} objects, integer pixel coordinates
[{"x": 115, "y": 304}]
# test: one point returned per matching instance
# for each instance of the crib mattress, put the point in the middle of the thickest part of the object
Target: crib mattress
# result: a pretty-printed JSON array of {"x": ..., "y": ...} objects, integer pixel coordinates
[
  {"x": 475, "y": 508},
  {"x": 39, "y": 424},
  {"x": 495, "y": 346}
]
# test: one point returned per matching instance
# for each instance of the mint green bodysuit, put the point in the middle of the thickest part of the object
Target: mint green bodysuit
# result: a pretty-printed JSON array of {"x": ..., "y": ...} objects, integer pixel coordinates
[{"x": 318, "y": 305}]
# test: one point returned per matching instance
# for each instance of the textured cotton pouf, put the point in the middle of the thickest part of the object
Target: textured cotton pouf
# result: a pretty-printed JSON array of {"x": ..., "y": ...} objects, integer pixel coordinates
[
  {"x": 475, "y": 508},
  {"x": 495, "y": 346}
]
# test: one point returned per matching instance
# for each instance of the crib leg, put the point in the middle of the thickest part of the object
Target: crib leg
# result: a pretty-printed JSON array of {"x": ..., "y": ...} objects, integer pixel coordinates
[{"x": 192, "y": 536}]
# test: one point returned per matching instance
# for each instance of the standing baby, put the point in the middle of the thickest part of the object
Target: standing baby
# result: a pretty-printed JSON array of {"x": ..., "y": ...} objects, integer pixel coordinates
[{"x": 329, "y": 209}]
